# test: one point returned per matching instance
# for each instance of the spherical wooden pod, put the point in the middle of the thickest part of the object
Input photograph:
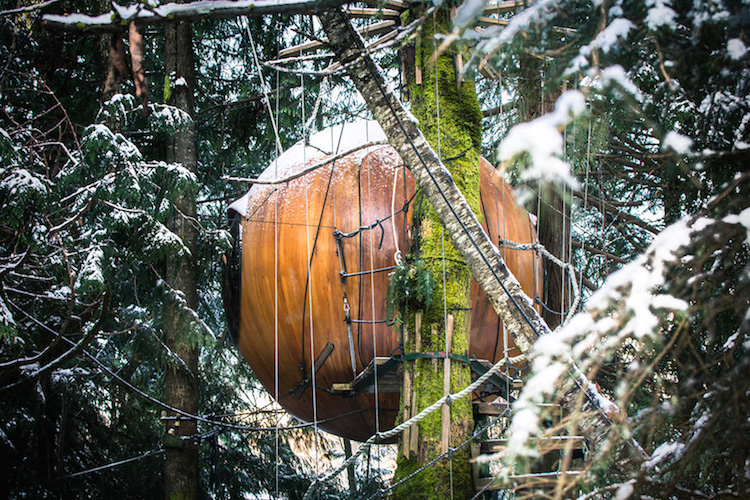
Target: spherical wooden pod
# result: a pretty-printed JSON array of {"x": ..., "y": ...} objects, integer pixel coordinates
[{"x": 327, "y": 235}]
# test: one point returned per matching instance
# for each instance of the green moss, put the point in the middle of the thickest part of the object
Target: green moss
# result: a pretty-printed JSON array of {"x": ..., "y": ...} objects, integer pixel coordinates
[{"x": 457, "y": 137}]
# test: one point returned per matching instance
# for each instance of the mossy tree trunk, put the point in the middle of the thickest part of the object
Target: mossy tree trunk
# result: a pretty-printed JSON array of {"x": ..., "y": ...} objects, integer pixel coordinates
[
  {"x": 461, "y": 224},
  {"x": 451, "y": 120}
]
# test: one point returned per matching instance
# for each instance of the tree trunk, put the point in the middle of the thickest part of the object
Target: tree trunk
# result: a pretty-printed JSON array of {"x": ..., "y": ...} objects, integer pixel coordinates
[
  {"x": 450, "y": 117},
  {"x": 453, "y": 211},
  {"x": 552, "y": 213},
  {"x": 181, "y": 475},
  {"x": 465, "y": 231}
]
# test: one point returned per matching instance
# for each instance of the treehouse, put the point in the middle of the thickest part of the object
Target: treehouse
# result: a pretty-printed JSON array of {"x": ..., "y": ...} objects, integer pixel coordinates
[{"x": 315, "y": 240}]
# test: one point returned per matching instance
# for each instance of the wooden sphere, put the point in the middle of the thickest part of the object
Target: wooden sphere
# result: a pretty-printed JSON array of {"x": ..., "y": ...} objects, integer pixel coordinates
[{"x": 292, "y": 291}]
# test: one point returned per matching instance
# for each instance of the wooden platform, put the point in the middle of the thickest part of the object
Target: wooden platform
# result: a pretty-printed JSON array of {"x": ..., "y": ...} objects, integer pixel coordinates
[
  {"x": 387, "y": 371},
  {"x": 390, "y": 375}
]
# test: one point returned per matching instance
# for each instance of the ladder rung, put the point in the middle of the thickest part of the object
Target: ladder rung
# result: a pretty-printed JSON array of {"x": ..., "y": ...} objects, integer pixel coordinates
[
  {"x": 544, "y": 444},
  {"x": 489, "y": 483},
  {"x": 499, "y": 407}
]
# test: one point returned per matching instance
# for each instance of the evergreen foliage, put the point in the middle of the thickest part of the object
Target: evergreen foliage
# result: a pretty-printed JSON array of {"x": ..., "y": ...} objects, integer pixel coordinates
[{"x": 86, "y": 196}]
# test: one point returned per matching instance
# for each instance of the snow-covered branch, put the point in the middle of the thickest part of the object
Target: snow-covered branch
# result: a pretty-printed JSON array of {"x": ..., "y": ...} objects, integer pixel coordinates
[{"x": 123, "y": 14}]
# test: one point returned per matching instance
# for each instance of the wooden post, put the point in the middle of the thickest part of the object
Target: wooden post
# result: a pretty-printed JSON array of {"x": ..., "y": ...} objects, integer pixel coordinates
[
  {"x": 414, "y": 434},
  {"x": 406, "y": 395},
  {"x": 446, "y": 423}
]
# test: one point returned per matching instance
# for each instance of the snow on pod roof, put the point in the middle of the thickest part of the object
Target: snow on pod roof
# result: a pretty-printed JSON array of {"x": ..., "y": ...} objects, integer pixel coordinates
[{"x": 331, "y": 141}]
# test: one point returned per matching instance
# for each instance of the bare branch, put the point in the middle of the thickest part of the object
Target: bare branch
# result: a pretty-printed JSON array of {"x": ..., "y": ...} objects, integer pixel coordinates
[{"x": 30, "y": 8}]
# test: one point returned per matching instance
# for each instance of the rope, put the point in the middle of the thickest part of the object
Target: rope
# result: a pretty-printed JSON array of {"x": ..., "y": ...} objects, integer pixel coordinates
[
  {"x": 586, "y": 189},
  {"x": 449, "y": 453},
  {"x": 564, "y": 265},
  {"x": 381, "y": 436},
  {"x": 314, "y": 114},
  {"x": 114, "y": 464},
  {"x": 397, "y": 253},
  {"x": 263, "y": 88},
  {"x": 308, "y": 288}
]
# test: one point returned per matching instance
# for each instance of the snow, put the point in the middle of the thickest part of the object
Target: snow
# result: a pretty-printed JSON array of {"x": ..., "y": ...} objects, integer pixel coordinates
[
  {"x": 167, "y": 10},
  {"x": 607, "y": 406},
  {"x": 741, "y": 218},
  {"x": 168, "y": 118},
  {"x": 660, "y": 14},
  {"x": 677, "y": 142},
  {"x": 21, "y": 181},
  {"x": 736, "y": 49},
  {"x": 91, "y": 271},
  {"x": 617, "y": 31},
  {"x": 616, "y": 75},
  {"x": 542, "y": 140},
  {"x": 624, "y": 492},
  {"x": 343, "y": 137},
  {"x": 240, "y": 205},
  {"x": 6, "y": 318},
  {"x": 729, "y": 344},
  {"x": 467, "y": 12},
  {"x": 331, "y": 141},
  {"x": 663, "y": 452}
]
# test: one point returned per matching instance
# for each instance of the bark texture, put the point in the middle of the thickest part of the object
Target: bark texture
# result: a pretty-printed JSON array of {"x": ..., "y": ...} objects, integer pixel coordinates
[
  {"x": 451, "y": 120},
  {"x": 550, "y": 208},
  {"x": 181, "y": 475},
  {"x": 452, "y": 209}
]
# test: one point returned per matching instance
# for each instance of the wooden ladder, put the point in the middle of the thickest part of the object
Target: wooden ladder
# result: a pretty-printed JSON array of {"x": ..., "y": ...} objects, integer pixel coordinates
[{"x": 546, "y": 444}]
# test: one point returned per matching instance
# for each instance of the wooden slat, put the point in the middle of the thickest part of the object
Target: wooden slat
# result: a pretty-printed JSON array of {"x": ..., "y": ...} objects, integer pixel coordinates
[
  {"x": 503, "y": 7},
  {"x": 499, "y": 407},
  {"x": 544, "y": 444},
  {"x": 489, "y": 484},
  {"x": 392, "y": 4},
  {"x": 370, "y": 30},
  {"x": 446, "y": 410},
  {"x": 492, "y": 21},
  {"x": 366, "y": 12},
  {"x": 414, "y": 435}
]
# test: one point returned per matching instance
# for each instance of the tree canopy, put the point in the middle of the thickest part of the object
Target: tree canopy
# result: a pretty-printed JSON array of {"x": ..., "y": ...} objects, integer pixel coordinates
[{"x": 631, "y": 119}]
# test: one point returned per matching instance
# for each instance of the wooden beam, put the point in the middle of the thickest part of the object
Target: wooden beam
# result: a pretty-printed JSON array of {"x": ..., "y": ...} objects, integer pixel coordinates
[
  {"x": 371, "y": 13},
  {"x": 489, "y": 483},
  {"x": 392, "y": 4},
  {"x": 446, "y": 410},
  {"x": 544, "y": 444}
]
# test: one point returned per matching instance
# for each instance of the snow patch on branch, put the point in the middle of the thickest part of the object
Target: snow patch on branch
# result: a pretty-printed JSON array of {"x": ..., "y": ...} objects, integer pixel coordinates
[
  {"x": 660, "y": 14},
  {"x": 676, "y": 142},
  {"x": 632, "y": 304},
  {"x": 736, "y": 49},
  {"x": 542, "y": 140}
]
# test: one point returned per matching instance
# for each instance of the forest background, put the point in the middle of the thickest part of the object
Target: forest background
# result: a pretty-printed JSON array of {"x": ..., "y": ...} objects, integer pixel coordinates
[{"x": 659, "y": 188}]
